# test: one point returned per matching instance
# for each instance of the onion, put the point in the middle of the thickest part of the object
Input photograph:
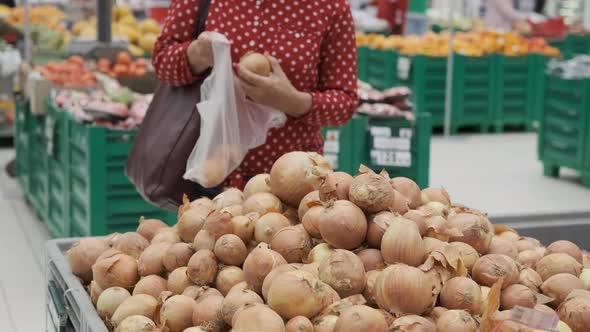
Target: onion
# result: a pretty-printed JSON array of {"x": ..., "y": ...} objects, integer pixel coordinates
[
  {"x": 529, "y": 258},
  {"x": 401, "y": 204},
  {"x": 402, "y": 243},
  {"x": 239, "y": 295},
  {"x": 151, "y": 260},
  {"x": 438, "y": 311},
  {"x": 299, "y": 287},
  {"x": 109, "y": 300},
  {"x": 545, "y": 309},
  {"x": 372, "y": 192},
  {"x": 372, "y": 259},
  {"x": 119, "y": 270},
  {"x": 293, "y": 243},
  {"x": 485, "y": 292},
  {"x": 585, "y": 279},
  {"x": 310, "y": 221},
  {"x": 325, "y": 323},
  {"x": 151, "y": 285},
  {"x": 476, "y": 230},
  {"x": 166, "y": 235},
  {"x": 95, "y": 291},
  {"x": 259, "y": 263},
  {"x": 256, "y": 63},
  {"x": 257, "y": 184},
  {"x": 527, "y": 243},
  {"x": 218, "y": 224},
  {"x": 307, "y": 200},
  {"x": 413, "y": 323},
  {"x": 531, "y": 279},
  {"x": 565, "y": 247},
  {"x": 268, "y": 225},
  {"x": 436, "y": 227},
  {"x": 273, "y": 274},
  {"x": 377, "y": 226},
  {"x": 204, "y": 241},
  {"x": 228, "y": 277},
  {"x": 435, "y": 209},
  {"x": 335, "y": 186},
  {"x": 408, "y": 189},
  {"x": 143, "y": 305},
  {"x": 131, "y": 243},
  {"x": 319, "y": 252},
  {"x": 468, "y": 254},
  {"x": 502, "y": 246},
  {"x": 344, "y": 272},
  {"x": 403, "y": 289},
  {"x": 369, "y": 292},
  {"x": 208, "y": 314},
  {"x": 192, "y": 221},
  {"x": 229, "y": 197},
  {"x": 360, "y": 318},
  {"x": 575, "y": 312},
  {"x": 244, "y": 226},
  {"x": 178, "y": 280},
  {"x": 177, "y": 256},
  {"x": 299, "y": 324},
  {"x": 558, "y": 263},
  {"x": 258, "y": 318},
  {"x": 201, "y": 202},
  {"x": 313, "y": 268},
  {"x": 563, "y": 327},
  {"x": 560, "y": 286},
  {"x": 263, "y": 203},
  {"x": 137, "y": 323},
  {"x": 461, "y": 293},
  {"x": 509, "y": 235},
  {"x": 431, "y": 244},
  {"x": 176, "y": 313},
  {"x": 490, "y": 268},
  {"x": 343, "y": 225},
  {"x": 440, "y": 195},
  {"x": 199, "y": 293},
  {"x": 149, "y": 227},
  {"x": 83, "y": 254},
  {"x": 202, "y": 267},
  {"x": 231, "y": 250},
  {"x": 419, "y": 218},
  {"x": 456, "y": 321},
  {"x": 517, "y": 295}
]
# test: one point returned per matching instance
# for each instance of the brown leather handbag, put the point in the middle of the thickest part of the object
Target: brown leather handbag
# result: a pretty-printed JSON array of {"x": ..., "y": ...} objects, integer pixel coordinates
[{"x": 166, "y": 138}]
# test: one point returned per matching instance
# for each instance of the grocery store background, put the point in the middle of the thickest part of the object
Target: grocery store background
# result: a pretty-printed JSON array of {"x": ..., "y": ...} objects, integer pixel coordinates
[{"x": 503, "y": 123}]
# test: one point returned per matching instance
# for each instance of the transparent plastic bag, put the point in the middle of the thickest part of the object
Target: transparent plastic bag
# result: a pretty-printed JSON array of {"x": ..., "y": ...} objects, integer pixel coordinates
[{"x": 231, "y": 124}]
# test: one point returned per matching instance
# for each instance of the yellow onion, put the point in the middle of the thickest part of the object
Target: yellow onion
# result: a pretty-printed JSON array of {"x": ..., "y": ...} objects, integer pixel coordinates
[
  {"x": 95, "y": 291},
  {"x": 553, "y": 264},
  {"x": 257, "y": 184},
  {"x": 565, "y": 247},
  {"x": 377, "y": 226},
  {"x": 234, "y": 210},
  {"x": 299, "y": 324},
  {"x": 307, "y": 202},
  {"x": 529, "y": 258},
  {"x": 239, "y": 295},
  {"x": 360, "y": 318},
  {"x": 119, "y": 270},
  {"x": 461, "y": 293},
  {"x": 258, "y": 318},
  {"x": 503, "y": 246},
  {"x": 456, "y": 321},
  {"x": 300, "y": 287},
  {"x": 419, "y": 217},
  {"x": 310, "y": 221},
  {"x": 372, "y": 259},
  {"x": 263, "y": 203},
  {"x": 408, "y": 189},
  {"x": 296, "y": 174},
  {"x": 268, "y": 225},
  {"x": 259, "y": 263},
  {"x": 143, "y": 305},
  {"x": 485, "y": 292},
  {"x": 413, "y": 323},
  {"x": 575, "y": 312},
  {"x": 369, "y": 292},
  {"x": 335, "y": 186},
  {"x": 402, "y": 243},
  {"x": 344, "y": 272},
  {"x": 401, "y": 204},
  {"x": 319, "y": 252},
  {"x": 293, "y": 243},
  {"x": 178, "y": 280},
  {"x": 560, "y": 286},
  {"x": 109, "y": 300},
  {"x": 136, "y": 323},
  {"x": 192, "y": 221},
  {"x": 83, "y": 254},
  {"x": 199, "y": 293},
  {"x": 176, "y": 313},
  {"x": 527, "y": 243},
  {"x": 342, "y": 225},
  {"x": 531, "y": 279},
  {"x": 218, "y": 224},
  {"x": 490, "y": 268},
  {"x": 273, "y": 274},
  {"x": 166, "y": 235},
  {"x": 202, "y": 267},
  {"x": 433, "y": 209},
  {"x": 468, "y": 254},
  {"x": 372, "y": 192},
  {"x": 585, "y": 279},
  {"x": 199, "y": 202},
  {"x": 563, "y": 327},
  {"x": 131, "y": 244},
  {"x": 509, "y": 235},
  {"x": 437, "y": 227},
  {"x": 517, "y": 295},
  {"x": 230, "y": 250},
  {"x": 403, "y": 289},
  {"x": 151, "y": 260},
  {"x": 312, "y": 268},
  {"x": 229, "y": 197},
  {"x": 432, "y": 244},
  {"x": 208, "y": 313},
  {"x": 177, "y": 255},
  {"x": 151, "y": 285},
  {"x": 476, "y": 231},
  {"x": 228, "y": 277},
  {"x": 108, "y": 254},
  {"x": 204, "y": 241},
  {"x": 440, "y": 195},
  {"x": 244, "y": 226},
  {"x": 438, "y": 311},
  {"x": 325, "y": 323}
]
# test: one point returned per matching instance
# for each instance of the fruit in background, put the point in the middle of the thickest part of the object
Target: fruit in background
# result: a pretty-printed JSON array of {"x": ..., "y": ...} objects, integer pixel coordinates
[
  {"x": 149, "y": 25},
  {"x": 148, "y": 41},
  {"x": 135, "y": 50},
  {"x": 69, "y": 73},
  {"x": 123, "y": 58},
  {"x": 124, "y": 66}
]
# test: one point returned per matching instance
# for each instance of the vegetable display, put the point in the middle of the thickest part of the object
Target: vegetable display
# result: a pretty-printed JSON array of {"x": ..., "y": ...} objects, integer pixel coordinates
[{"x": 307, "y": 249}]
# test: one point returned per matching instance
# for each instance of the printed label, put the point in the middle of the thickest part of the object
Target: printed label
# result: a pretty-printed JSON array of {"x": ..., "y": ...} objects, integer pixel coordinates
[
  {"x": 392, "y": 143},
  {"x": 331, "y": 147},
  {"x": 403, "y": 67},
  {"x": 380, "y": 131},
  {"x": 332, "y": 135},
  {"x": 333, "y": 159},
  {"x": 391, "y": 158}
]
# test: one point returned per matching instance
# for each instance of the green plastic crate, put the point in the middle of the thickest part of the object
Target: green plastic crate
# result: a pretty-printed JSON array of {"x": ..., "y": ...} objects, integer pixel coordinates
[
  {"x": 362, "y": 63},
  {"x": 537, "y": 64},
  {"x": 399, "y": 146},
  {"x": 38, "y": 166},
  {"x": 21, "y": 141},
  {"x": 381, "y": 68}
]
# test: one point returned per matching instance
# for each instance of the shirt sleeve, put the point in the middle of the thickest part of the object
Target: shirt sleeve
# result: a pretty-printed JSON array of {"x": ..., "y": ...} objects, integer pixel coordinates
[
  {"x": 170, "y": 59},
  {"x": 506, "y": 9},
  {"x": 336, "y": 99}
]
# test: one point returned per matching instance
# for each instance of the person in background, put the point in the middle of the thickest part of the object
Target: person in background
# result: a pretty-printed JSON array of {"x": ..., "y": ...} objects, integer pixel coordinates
[
  {"x": 540, "y": 6},
  {"x": 502, "y": 15}
]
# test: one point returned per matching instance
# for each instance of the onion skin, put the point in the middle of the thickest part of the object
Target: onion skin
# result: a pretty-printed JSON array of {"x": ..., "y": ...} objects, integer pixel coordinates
[
  {"x": 192, "y": 221},
  {"x": 310, "y": 221},
  {"x": 228, "y": 277},
  {"x": 83, "y": 254},
  {"x": 319, "y": 252},
  {"x": 136, "y": 323},
  {"x": 575, "y": 312},
  {"x": 585, "y": 279},
  {"x": 151, "y": 260},
  {"x": 177, "y": 256},
  {"x": 152, "y": 285},
  {"x": 241, "y": 294},
  {"x": 502, "y": 246},
  {"x": 230, "y": 197},
  {"x": 440, "y": 195},
  {"x": 293, "y": 243},
  {"x": 371, "y": 192},
  {"x": 208, "y": 313},
  {"x": 372, "y": 259},
  {"x": 296, "y": 174},
  {"x": 408, "y": 189},
  {"x": 517, "y": 295},
  {"x": 461, "y": 293},
  {"x": 531, "y": 279},
  {"x": 377, "y": 226},
  {"x": 402, "y": 289},
  {"x": 259, "y": 263},
  {"x": 95, "y": 291},
  {"x": 438, "y": 311},
  {"x": 325, "y": 323},
  {"x": 258, "y": 318},
  {"x": 369, "y": 292},
  {"x": 401, "y": 204},
  {"x": 360, "y": 318},
  {"x": 456, "y": 321},
  {"x": 476, "y": 229},
  {"x": 299, "y": 324},
  {"x": 199, "y": 293},
  {"x": 527, "y": 243},
  {"x": 178, "y": 280},
  {"x": 244, "y": 226},
  {"x": 553, "y": 264},
  {"x": 343, "y": 225},
  {"x": 412, "y": 323},
  {"x": 257, "y": 184},
  {"x": 143, "y": 305},
  {"x": 202, "y": 268},
  {"x": 335, "y": 186},
  {"x": 402, "y": 243},
  {"x": 560, "y": 286},
  {"x": 218, "y": 224},
  {"x": 166, "y": 235},
  {"x": 490, "y": 268},
  {"x": 468, "y": 254},
  {"x": 304, "y": 206},
  {"x": 432, "y": 244},
  {"x": 529, "y": 258},
  {"x": 344, "y": 272},
  {"x": 230, "y": 250},
  {"x": 297, "y": 287},
  {"x": 565, "y": 247},
  {"x": 176, "y": 313},
  {"x": 119, "y": 270},
  {"x": 268, "y": 225},
  {"x": 109, "y": 300},
  {"x": 204, "y": 241},
  {"x": 263, "y": 203},
  {"x": 419, "y": 218},
  {"x": 131, "y": 243}
]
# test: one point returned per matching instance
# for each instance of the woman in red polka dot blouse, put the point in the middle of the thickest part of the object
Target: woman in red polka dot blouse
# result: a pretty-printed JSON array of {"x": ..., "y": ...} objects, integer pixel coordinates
[{"x": 311, "y": 46}]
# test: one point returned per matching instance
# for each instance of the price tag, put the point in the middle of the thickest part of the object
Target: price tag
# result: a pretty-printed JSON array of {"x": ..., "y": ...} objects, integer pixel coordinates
[
  {"x": 403, "y": 67},
  {"x": 331, "y": 147},
  {"x": 406, "y": 133},
  {"x": 391, "y": 143},
  {"x": 391, "y": 158},
  {"x": 333, "y": 135},
  {"x": 333, "y": 159},
  {"x": 380, "y": 131}
]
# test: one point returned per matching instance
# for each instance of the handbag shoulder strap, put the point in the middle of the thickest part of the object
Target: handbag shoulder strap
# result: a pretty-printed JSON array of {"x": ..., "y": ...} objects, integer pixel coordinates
[{"x": 202, "y": 13}]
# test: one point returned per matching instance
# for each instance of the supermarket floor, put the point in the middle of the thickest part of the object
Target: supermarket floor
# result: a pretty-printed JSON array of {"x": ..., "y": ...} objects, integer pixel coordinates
[{"x": 498, "y": 173}]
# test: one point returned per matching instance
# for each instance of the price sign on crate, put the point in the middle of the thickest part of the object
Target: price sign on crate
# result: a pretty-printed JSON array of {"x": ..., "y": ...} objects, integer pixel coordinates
[
  {"x": 403, "y": 67},
  {"x": 391, "y": 149},
  {"x": 332, "y": 147}
]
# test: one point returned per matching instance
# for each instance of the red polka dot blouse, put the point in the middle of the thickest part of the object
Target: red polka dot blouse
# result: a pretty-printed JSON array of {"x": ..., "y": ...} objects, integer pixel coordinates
[{"x": 314, "y": 42}]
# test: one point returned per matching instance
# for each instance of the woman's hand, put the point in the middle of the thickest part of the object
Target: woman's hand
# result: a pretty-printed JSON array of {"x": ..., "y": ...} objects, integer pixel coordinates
[
  {"x": 275, "y": 90},
  {"x": 200, "y": 53}
]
